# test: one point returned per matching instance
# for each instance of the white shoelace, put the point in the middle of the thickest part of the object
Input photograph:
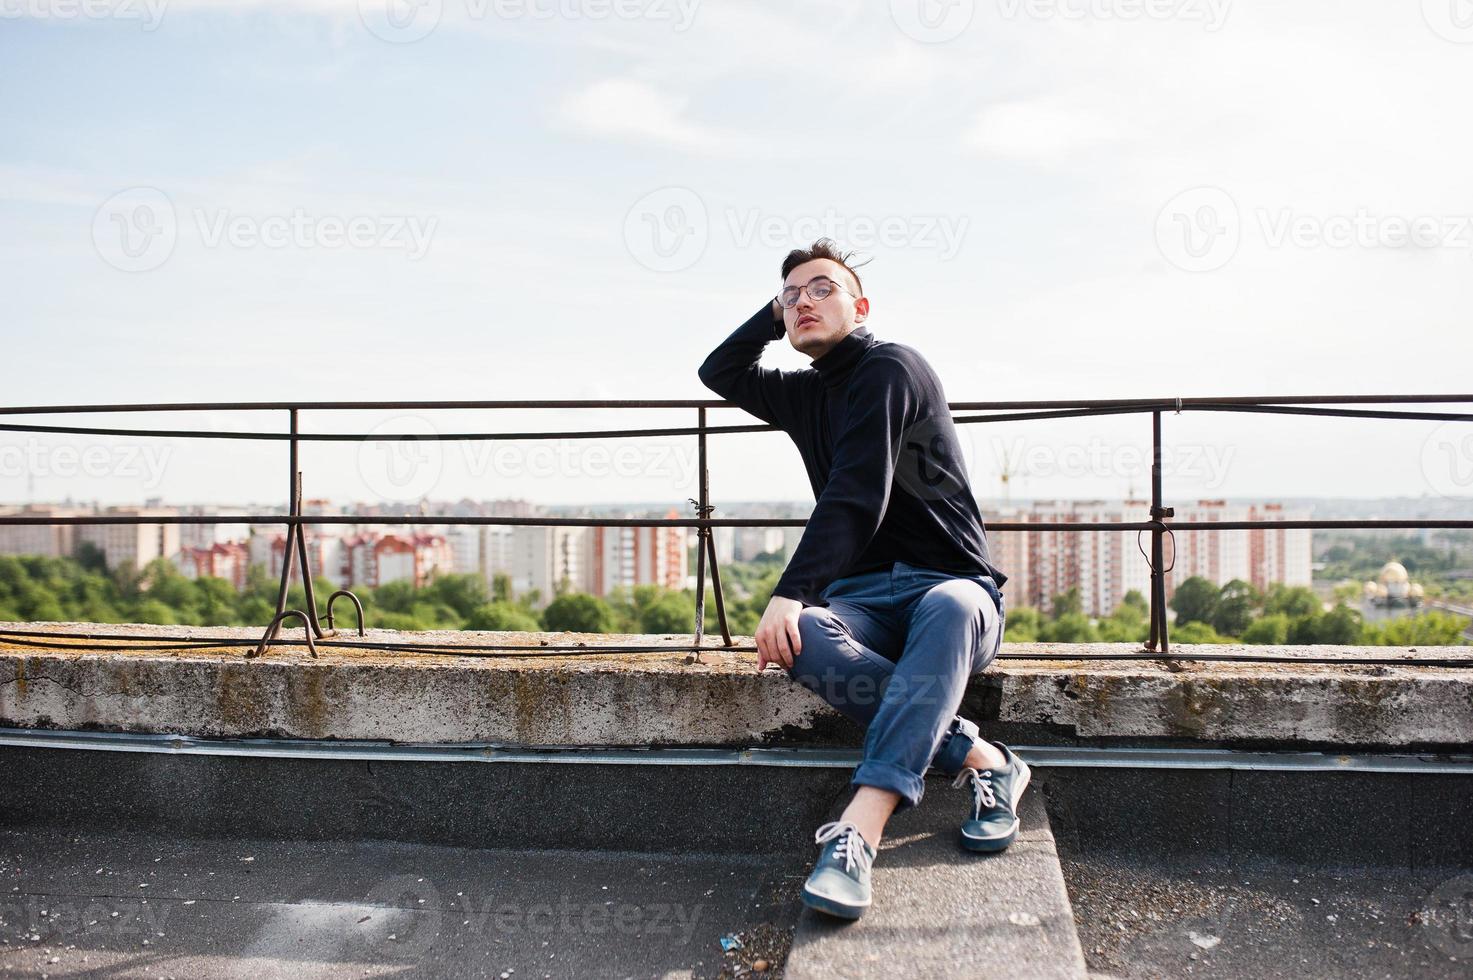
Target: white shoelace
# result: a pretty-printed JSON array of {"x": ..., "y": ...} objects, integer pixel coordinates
[
  {"x": 851, "y": 844},
  {"x": 982, "y": 794}
]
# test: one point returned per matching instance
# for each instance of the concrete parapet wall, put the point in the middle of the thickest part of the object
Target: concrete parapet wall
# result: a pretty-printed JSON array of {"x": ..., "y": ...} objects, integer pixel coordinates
[{"x": 658, "y": 699}]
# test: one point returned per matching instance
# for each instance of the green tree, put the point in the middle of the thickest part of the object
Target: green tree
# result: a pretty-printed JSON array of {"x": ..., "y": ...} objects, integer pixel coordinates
[
  {"x": 1133, "y": 600},
  {"x": 155, "y": 612},
  {"x": 1293, "y": 601},
  {"x": 257, "y": 611},
  {"x": 1067, "y": 603},
  {"x": 669, "y": 612},
  {"x": 1197, "y": 632},
  {"x": 435, "y": 615},
  {"x": 396, "y": 596},
  {"x": 1195, "y": 601},
  {"x": 740, "y": 618},
  {"x": 1236, "y": 604},
  {"x": 578, "y": 612},
  {"x": 1431, "y": 628},
  {"x": 1272, "y": 630},
  {"x": 1072, "y": 627},
  {"x": 398, "y": 621},
  {"x": 90, "y": 558},
  {"x": 43, "y": 608},
  {"x": 462, "y": 593},
  {"x": 165, "y": 583},
  {"x": 12, "y": 574},
  {"x": 1304, "y": 630},
  {"x": 1127, "y": 622},
  {"x": 1023, "y": 625},
  {"x": 217, "y": 602},
  {"x": 502, "y": 616},
  {"x": 1340, "y": 626}
]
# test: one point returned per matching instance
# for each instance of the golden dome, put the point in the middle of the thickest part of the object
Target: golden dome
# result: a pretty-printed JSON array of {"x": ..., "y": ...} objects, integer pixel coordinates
[{"x": 1393, "y": 571}]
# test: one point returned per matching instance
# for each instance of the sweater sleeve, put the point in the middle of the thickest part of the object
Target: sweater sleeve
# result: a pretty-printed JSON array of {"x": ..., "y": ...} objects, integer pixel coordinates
[
  {"x": 733, "y": 370},
  {"x": 882, "y": 404}
]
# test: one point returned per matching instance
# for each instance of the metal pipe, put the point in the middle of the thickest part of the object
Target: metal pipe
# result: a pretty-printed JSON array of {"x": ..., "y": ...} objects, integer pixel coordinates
[
  {"x": 716, "y": 590},
  {"x": 40, "y": 639},
  {"x": 453, "y": 520},
  {"x": 718, "y": 403},
  {"x": 686, "y": 431},
  {"x": 1047, "y": 756},
  {"x": 703, "y": 509}
]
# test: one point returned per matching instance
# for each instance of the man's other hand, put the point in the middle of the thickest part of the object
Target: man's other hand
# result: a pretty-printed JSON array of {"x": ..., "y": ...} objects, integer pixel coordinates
[{"x": 778, "y": 641}]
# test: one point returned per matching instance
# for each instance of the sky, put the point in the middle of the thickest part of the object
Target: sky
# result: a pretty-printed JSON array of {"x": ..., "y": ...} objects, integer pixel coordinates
[{"x": 232, "y": 200}]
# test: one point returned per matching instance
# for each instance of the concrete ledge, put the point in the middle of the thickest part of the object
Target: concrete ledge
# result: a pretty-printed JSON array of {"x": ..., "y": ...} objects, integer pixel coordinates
[{"x": 658, "y": 699}]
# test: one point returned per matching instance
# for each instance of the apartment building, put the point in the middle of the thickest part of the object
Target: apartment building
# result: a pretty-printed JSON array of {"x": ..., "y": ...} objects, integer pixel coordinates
[
  {"x": 52, "y": 541},
  {"x": 630, "y": 556},
  {"x": 373, "y": 559},
  {"x": 1105, "y": 565},
  {"x": 229, "y": 560},
  {"x": 133, "y": 545}
]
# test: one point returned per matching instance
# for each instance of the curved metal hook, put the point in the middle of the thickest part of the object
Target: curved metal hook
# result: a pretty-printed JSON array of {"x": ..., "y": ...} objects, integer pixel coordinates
[
  {"x": 276, "y": 623},
  {"x": 356, "y": 605}
]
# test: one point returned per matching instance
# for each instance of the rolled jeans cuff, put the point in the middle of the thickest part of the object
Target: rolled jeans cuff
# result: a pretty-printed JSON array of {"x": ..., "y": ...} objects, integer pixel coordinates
[
  {"x": 960, "y": 737},
  {"x": 888, "y": 776}
]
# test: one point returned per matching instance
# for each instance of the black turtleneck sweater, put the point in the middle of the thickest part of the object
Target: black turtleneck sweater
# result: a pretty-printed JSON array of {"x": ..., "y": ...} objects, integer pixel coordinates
[{"x": 872, "y": 425}]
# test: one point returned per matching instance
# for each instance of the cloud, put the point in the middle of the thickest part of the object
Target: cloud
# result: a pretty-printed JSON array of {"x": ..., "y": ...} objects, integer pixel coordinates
[
  {"x": 1049, "y": 128},
  {"x": 634, "y": 110}
]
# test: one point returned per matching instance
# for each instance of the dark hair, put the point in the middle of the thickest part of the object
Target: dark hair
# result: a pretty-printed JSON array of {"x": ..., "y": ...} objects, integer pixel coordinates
[{"x": 824, "y": 248}]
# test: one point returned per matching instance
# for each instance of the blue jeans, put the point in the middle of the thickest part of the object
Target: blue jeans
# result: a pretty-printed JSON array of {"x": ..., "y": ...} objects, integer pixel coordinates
[{"x": 893, "y": 651}]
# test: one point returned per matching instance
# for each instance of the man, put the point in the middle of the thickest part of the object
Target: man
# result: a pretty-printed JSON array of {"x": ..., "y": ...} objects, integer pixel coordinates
[{"x": 890, "y": 602}]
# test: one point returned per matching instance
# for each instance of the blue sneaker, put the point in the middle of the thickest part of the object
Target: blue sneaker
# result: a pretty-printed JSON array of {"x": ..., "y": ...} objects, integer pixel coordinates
[
  {"x": 839, "y": 884},
  {"x": 993, "y": 823}
]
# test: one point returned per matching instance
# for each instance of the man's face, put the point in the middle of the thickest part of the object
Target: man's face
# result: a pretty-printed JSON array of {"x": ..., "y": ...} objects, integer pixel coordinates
[{"x": 815, "y": 327}]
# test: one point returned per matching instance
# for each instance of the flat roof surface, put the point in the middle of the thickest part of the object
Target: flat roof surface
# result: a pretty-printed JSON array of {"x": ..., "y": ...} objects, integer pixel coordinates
[{"x": 142, "y": 905}]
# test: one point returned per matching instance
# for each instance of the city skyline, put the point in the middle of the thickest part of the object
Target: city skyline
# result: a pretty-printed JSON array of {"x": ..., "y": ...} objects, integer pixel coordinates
[{"x": 544, "y": 559}]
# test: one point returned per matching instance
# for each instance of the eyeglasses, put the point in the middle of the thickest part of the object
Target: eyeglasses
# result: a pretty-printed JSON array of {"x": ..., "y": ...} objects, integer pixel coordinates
[{"x": 817, "y": 288}]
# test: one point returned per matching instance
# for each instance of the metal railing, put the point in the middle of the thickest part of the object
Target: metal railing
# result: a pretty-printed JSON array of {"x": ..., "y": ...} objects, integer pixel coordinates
[{"x": 1157, "y": 646}]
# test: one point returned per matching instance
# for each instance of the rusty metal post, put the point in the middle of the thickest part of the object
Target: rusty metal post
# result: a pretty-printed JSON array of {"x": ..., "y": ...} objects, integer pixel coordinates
[
  {"x": 288, "y": 551},
  {"x": 304, "y": 564},
  {"x": 1158, "y": 640},
  {"x": 716, "y": 589},
  {"x": 702, "y": 534},
  {"x": 295, "y": 550}
]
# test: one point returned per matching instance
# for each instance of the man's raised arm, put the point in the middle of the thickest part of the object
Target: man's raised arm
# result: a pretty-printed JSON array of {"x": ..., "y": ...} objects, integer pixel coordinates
[{"x": 733, "y": 370}]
